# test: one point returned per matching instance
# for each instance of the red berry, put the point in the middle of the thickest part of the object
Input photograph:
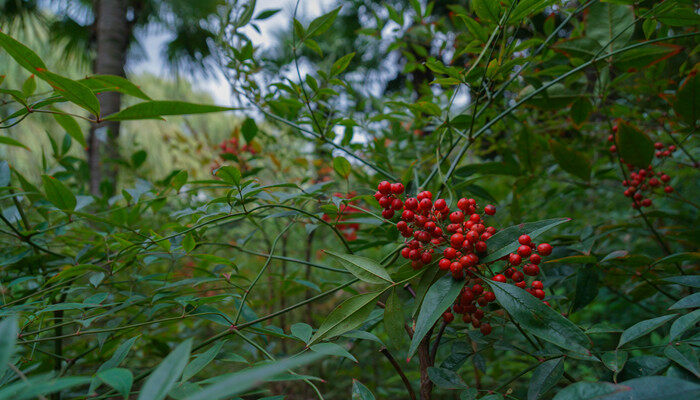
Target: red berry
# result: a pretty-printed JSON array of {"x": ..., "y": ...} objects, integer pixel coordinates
[
  {"x": 524, "y": 251},
  {"x": 440, "y": 204},
  {"x": 456, "y": 217},
  {"x": 668, "y": 189},
  {"x": 475, "y": 218},
  {"x": 472, "y": 236},
  {"x": 646, "y": 202},
  {"x": 537, "y": 285},
  {"x": 448, "y": 317},
  {"x": 521, "y": 284},
  {"x": 422, "y": 236},
  {"x": 489, "y": 296},
  {"x": 485, "y": 329},
  {"x": 456, "y": 240},
  {"x": 491, "y": 230},
  {"x": 514, "y": 259},
  {"x": 405, "y": 252},
  {"x": 444, "y": 264},
  {"x": 490, "y": 210},
  {"x": 401, "y": 226},
  {"x": 413, "y": 244},
  {"x": 414, "y": 255},
  {"x": 384, "y": 187},
  {"x": 426, "y": 257},
  {"x": 535, "y": 259},
  {"x": 425, "y": 204},
  {"x": 407, "y": 215},
  {"x": 524, "y": 239},
  {"x": 449, "y": 253},
  {"x": 539, "y": 293},
  {"x": 388, "y": 213},
  {"x": 665, "y": 178},
  {"x": 499, "y": 278},
  {"x": 407, "y": 233},
  {"x": 430, "y": 226},
  {"x": 397, "y": 204},
  {"x": 378, "y": 195},
  {"x": 480, "y": 247},
  {"x": 462, "y": 204},
  {"x": 518, "y": 276},
  {"x": 658, "y": 145},
  {"x": 544, "y": 249},
  {"x": 411, "y": 203},
  {"x": 385, "y": 202},
  {"x": 613, "y": 149},
  {"x": 531, "y": 270},
  {"x": 456, "y": 270},
  {"x": 397, "y": 188}
]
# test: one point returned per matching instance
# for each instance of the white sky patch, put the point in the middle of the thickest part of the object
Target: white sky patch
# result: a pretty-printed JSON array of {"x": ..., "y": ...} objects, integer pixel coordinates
[{"x": 154, "y": 43}]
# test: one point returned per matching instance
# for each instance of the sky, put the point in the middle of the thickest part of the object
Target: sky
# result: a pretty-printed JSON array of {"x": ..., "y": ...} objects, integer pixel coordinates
[{"x": 153, "y": 43}]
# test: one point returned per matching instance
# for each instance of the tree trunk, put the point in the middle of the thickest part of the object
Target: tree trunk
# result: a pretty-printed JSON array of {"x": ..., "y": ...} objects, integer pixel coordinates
[{"x": 112, "y": 36}]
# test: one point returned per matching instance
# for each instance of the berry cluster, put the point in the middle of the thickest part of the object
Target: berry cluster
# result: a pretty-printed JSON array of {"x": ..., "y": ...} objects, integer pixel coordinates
[
  {"x": 233, "y": 147},
  {"x": 643, "y": 182},
  {"x": 461, "y": 237},
  {"x": 345, "y": 213},
  {"x": 473, "y": 298}
]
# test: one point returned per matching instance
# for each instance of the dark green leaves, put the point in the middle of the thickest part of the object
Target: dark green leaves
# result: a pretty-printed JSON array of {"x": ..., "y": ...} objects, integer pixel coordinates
[
  {"x": 229, "y": 174},
  {"x": 544, "y": 377},
  {"x": 445, "y": 378},
  {"x": 364, "y": 268},
  {"x": 684, "y": 355},
  {"x": 58, "y": 194},
  {"x": 360, "y": 391},
  {"x": 646, "y": 388},
  {"x": 70, "y": 125},
  {"x": 120, "y": 379},
  {"x": 540, "y": 320},
  {"x": 687, "y": 102},
  {"x": 611, "y": 25},
  {"x": 73, "y": 91},
  {"x": 164, "y": 377},
  {"x": 321, "y": 24},
  {"x": 113, "y": 83},
  {"x": 21, "y": 54},
  {"x": 394, "y": 318},
  {"x": 249, "y": 129},
  {"x": 570, "y": 160},
  {"x": 690, "y": 301},
  {"x": 342, "y": 166},
  {"x": 347, "y": 316},
  {"x": 157, "y": 108},
  {"x": 586, "y": 287},
  {"x": 633, "y": 145},
  {"x": 201, "y": 361},
  {"x": 506, "y": 241},
  {"x": 438, "y": 298},
  {"x": 341, "y": 64},
  {"x": 8, "y": 337},
  {"x": 642, "y": 328}
]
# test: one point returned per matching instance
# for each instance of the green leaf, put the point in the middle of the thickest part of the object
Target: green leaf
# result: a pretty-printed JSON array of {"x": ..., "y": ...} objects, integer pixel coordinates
[
  {"x": 58, "y": 194},
  {"x": 685, "y": 280},
  {"x": 179, "y": 180},
  {"x": 341, "y": 64},
  {"x": 691, "y": 301},
  {"x": 321, "y": 24},
  {"x": 394, "y": 318},
  {"x": 445, "y": 378},
  {"x": 113, "y": 83},
  {"x": 302, "y": 331},
  {"x": 586, "y": 287},
  {"x": 40, "y": 385},
  {"x": 201, "y": 361},
  {"x": 364, "y": 268},
  {"x": 580, "y": 110},
  {"x": 265, "y": 14},
  {"x": 683, "y": 323},
  {"x": 679, "y": 257},
  {"x": 643, "y": 328},
  {"x": 229, "y": 174},
  {"x": 12, "y": 142},
  {"x": 73, "y": 91},
  {"x": 487, "y": 10},
  {"x": 164, "y": 377},
  {"x": 646, "y": 388},
  {"x": 645, "y": 366},
  {"x": 633, "y": 145},
  {"x": 347, "y": 315},
  {"x": 570, "y": 160},
  {"x": 29, "y": 86},
  {"x": 683, "y": 355},
  {"x": 538, "y": 319},
  {"x": 505, "y": 241},
  {"x": 360, "y": 391},
  {"x": 249, "y": 129},
  {"x": 578, "y": 48},
  {"x": 615, "y": 360},
  {"x": 157, "y": 108},
  {"x": 686, "y": 103},
  {"x": 119, "y": 355},
  {"x": 439, "y": 298},
  {"x": 332, "y": 349},
  {"x": 70, "y": 125},
  {"x": 606, "y": 21},
  {"x": 676, "y": 13},
  {"x": 120, "y": 379},
  {"x": 342, "y": 166},
  {"x": 230, "y": 385},
  {"x": 545, "y": 377},
  {"x": 526, "y": 8},
  {"x": 8, "y": 338},
  {"x": 21, "y": 54},
  {"x": 643, "y": 57}
]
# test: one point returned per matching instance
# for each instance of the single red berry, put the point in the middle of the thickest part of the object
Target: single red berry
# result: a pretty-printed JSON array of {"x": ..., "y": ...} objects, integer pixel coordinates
[
  {"x": 472, "y": 236},
  {"x": 485, "y": 236},
  {"x": 388, "y": 213},
  {"x": 440, "y": 204},
  {"x": 407, "y": 233},
  {"x": 448, "y": 317},
  {"x": 407, "y": 215},
  {"x": 535, "y": 259},
  {"x": 614, "y": 128},
  {"x": 426, "y": 257},
  {"x": 413, "y": 244},
  {"x": 490, "y": 210},
  {"x": 537, "y": 285},
  {"x": 544, "y": 249},
  {"x": 489, "y": 296},
  {"x": 420, "y": 220},
  {"x": 531, "y": 270},
  {"x": 437, "y": 232},
  {"x": 411, "y": 203},
  {"x": 397, "y": 188},
  {"x": 521, "y": 284},
  {"x": 514, "y": 259},
  {"x": 665, "y": 178},
  {"x": 475, "y": 218},
  {"x": 429, "y": 226},
  {"x": 539, "y": 293},
  {"x": 462, "y": 204},
  {"x": 668, "y": 189},
  {"x": 518, "y": 276},
  {"x": 491, "y": 230},
  {"x": 378, "y": 195},
  {"x": 485, "y": 329},
  {"x": 385, "y": 202},
  {"x": 397, "y": 204},
  {"x": 456, "y": 240},
  {"x": 456, "y": 270},
  {"x": 524, "y": 239},
  {"x": 480, "y": 247},
  {"x": 401, "y": 226},
  {"x": 456, "y": 217},
  {"x": 658, "y": 145},
  {"x": 422, "y": 236},
  {"x": 646, "y": 203},
  {"x": 524, "y": 251},
  {"x": 467, "y": 296},
  {"x": 613, "y": 149},
  {"x": 405, "y": 252},
  {"x": 477, "y": 289},
  {"x": 449, "y": 253},
  {"x": 444, "y": 264},
  {"x": 414, "y": 255},
  {"x": 425, "y": 204},
  {"x": 611, "y": 138},
  {"x": 499, "y": 278},
  {"x": 384, "y": 187}
]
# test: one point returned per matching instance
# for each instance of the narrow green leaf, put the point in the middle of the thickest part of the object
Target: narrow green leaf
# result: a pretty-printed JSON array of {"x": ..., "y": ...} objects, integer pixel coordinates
[
  {"x": 646, "y": 388},
  {"x": 70, "y": 125},
  {"x": 685, "y": 280},
  {"x": 394, "y": 319},
  {"x": 586, "y": 287},
  {"x": 347, "y": 315},
  {"x": 157, "y": 108},
  {"x": 73, "y": 91},
  {"x": 120, "y": 379},
  {"x": 321, "y": 24},
  {"x": 364, "y": 268},
  {"x": 229, "y": 174},
  {"x": 446, "y": 378},
  {"x": 691, "y": 301},
  {"x": 341, "y": 64},
  {"x": 302, "y": 331},
  {"x": 8, "y": 338},
  {"x": 570, "y": 160},
  {"x": 538, "y": 319},
  {"x": 360, "y": 391},
  {"x": 633, "y": 145},
  {"x": 342, "y": 166},
  {"x": 29, "y": 86},
  {"x": 249, "y": 129},
  {"x": 201, "y": 361},
  {"x": 332, "y": 349},
  {"x": 117, "y": 358},
  {"x": 164, "y": 377},
  {"x": 58, "y": 194},
  {"x": 12, "y": 142},
  {"x": 643, "y": 328},
  {"x": 40, "y": 385},
  {"x": 21, "y": 53},
  {"x": 227, "y": 386},
  {"x": 615, "y": 360},
  {"x": 113, "y": 83},
  {"x": 683, "y": 355},
  {"x": 683, "y": 323},
  {"x": 439, "y": 298},
  {"x": 608, "y": 21},
  {"x": 545, "y": 377}
]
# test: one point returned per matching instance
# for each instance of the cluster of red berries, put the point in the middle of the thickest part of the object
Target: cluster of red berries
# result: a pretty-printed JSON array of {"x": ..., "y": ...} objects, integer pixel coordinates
[
  {"x": 345, "y": 213},
  {"x": 643, "y": 182},
  {"x": 233, "y": 147},
  {"x": 473, "y": 298}
]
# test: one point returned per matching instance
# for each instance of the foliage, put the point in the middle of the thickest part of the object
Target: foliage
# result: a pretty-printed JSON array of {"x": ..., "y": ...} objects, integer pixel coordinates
[{"x": 266, "y": 268}]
